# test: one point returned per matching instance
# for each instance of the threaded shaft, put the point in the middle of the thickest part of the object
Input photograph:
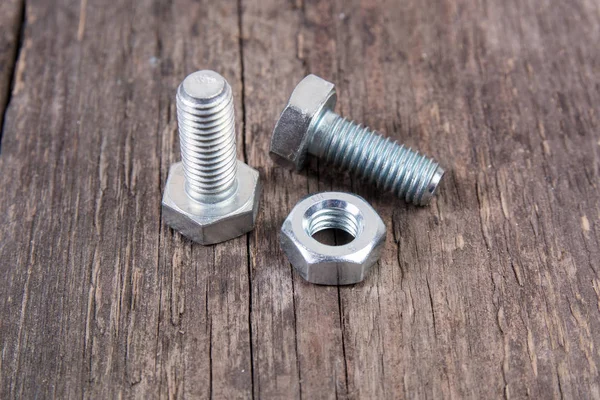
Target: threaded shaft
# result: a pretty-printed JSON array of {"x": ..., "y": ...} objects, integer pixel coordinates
[
  {"x": 207, "y": 136},
  {"x": 375, "y": 159}
]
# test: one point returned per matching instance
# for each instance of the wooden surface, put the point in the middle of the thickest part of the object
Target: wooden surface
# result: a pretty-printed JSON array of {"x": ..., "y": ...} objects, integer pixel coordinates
[{"x": 492, "y": 291}]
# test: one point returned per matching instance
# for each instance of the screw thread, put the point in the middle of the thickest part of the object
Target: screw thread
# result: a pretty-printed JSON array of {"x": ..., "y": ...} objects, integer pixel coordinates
[
  {"x": 206, "y": 125},
  {"x": 375, "y": 159}
]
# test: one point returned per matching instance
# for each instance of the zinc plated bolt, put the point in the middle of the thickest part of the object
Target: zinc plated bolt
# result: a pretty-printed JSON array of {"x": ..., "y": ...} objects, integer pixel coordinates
[
  {"x": 308, "y": 125},
  {"x": 210, "y": 196}
]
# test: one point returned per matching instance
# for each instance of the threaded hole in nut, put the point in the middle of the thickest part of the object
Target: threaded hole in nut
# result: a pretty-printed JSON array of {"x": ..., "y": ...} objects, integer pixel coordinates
[
  {"x": 333, "y": 237},
  {"x": 333, "y": 222}
]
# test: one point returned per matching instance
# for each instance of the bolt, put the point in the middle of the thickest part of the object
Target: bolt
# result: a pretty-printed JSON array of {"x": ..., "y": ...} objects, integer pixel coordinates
[
  {"x": 210, "y": 196},
  {"x": 308, "y": 125}
]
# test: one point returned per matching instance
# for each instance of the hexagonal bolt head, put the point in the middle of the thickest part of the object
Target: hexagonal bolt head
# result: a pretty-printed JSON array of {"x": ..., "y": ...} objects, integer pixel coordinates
[
  {"x": 289, "y": 143},
  {"x": 333, "y": 265},
  {"x": 212, "y": 223}
]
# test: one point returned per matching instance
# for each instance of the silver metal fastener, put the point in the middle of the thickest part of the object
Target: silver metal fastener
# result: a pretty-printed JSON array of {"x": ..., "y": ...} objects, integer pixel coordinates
[
  {"x": 308, "y": 124},
  {"x": 333, "y": 265},
  {"x": 210, "y": 196}
]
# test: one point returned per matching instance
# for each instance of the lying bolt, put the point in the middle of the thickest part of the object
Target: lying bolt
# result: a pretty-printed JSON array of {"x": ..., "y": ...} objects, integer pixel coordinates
[
  {"x": 210, "y": 197},
  {"x": 308, "y": 124}
]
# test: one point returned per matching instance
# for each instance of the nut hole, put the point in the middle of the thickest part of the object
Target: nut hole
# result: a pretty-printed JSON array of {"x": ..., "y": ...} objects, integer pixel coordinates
[
  {"x": 333, "y": 237},
  {"x": 333, "y": 222}
]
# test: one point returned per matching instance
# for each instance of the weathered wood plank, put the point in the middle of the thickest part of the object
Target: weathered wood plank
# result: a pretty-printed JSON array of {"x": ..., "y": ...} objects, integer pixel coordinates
[
  {"x": 11, "y": 20},
  {"x": 100, "y": 299},
  {"x": 270, "y": 69},
  {"x": 492, "y": 291},
  {"x": 468, "y": 291}
]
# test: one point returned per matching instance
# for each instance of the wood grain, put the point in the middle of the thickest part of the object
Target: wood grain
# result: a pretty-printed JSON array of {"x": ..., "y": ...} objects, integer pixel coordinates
[
  {"x": 11, "y": 20},
  {"x": 492, "y": 291}
]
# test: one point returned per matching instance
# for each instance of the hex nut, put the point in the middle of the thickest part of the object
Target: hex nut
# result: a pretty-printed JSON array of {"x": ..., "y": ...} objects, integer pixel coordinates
[
  {"x": 289, "y": 142},
  {"x": 333, "y": 265},
  {"x": 212, "y": 223}
]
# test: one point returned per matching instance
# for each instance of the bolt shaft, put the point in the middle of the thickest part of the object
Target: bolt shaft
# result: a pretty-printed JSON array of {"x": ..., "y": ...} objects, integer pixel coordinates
[
  {"x": 374, "y": 158},
  {"x": 206, "y": 125}
]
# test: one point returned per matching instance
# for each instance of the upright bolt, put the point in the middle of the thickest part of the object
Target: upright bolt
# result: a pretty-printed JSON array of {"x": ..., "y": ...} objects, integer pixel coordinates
[
  {"x": 308, "y": 125},
  {"x": 210, "y": 196},
  {"x": 206, "y": 125}
]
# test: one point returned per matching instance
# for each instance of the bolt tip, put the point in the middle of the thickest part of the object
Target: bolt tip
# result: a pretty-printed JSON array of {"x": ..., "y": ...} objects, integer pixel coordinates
[
  {"x": 202, "y": 86},
  {"x": 431, "y": 188}
]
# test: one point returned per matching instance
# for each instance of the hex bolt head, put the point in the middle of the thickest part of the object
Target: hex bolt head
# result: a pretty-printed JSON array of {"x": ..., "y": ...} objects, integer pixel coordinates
[{"x": 290, "y": 139}]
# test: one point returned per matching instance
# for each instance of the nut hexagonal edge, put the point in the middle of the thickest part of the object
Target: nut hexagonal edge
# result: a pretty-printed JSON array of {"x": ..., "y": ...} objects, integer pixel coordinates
[{"x": 334, "y": 265}]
